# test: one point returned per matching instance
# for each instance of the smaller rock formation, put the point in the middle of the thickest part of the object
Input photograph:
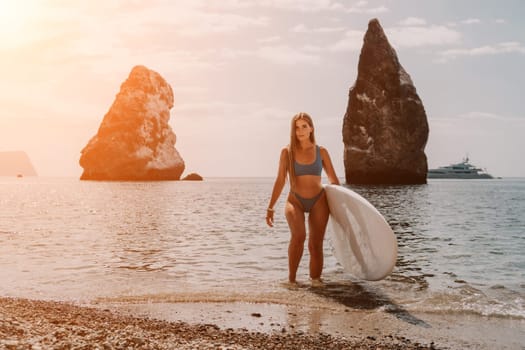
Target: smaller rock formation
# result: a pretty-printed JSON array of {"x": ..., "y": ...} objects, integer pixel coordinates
[
  {"x": 385, "y": 127},
  {"x": 192, "y": 177},
  {"x": 16, "y": 163},
  {"x": 135, "y": 141}
]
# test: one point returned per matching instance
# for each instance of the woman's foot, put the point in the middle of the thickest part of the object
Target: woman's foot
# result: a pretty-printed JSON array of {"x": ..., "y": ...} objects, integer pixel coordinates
[
  {"x": 316, "y": 282},
  {"x": 292, "y": 285}
]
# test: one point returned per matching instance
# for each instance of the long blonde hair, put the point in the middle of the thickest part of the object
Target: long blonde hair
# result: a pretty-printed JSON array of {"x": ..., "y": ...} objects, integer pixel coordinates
[{"x": 294, "y": 143}]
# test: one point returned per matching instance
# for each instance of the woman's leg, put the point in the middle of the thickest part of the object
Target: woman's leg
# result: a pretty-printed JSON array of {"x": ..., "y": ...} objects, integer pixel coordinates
[
  {"x": 295, "y": 217},
  {"x": 317, "y": 221}
]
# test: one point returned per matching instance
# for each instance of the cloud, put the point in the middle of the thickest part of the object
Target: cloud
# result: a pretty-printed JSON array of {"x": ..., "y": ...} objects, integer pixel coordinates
[
  {"x": 88, "y": 33},
  {"x": 301, "y": 28},
  {"x": 361, "y": 7},
  {"x": 289, "y": 5},
  {"x": 193, "y": 19},
  {"x": 230, "y": 112},
  {"x": 413, "y": 21},
  {"x": 476, "y": 115},
  {"x": 208, "y": 109},
  {"x": 313, "y": 48},
  {"x": 106, "y": 39},
  {"x": 286, "y": 55},
  {"x": 218, "y": 57},
  {"x": 412, "y": 33},
  {"x": 276, "y": 54},
  {"x": 269, "y": 39},
  {"x": 500, "y": 21},
  {"x": 190, "y": 18},
  {"x": 497, "y": 49},
  {"x": 200, "y": 23},
  {"x": 302, "y": 5},
  {"x": 471, "y": 21},
  {"x": 417, "y": 36},
  {"x": 351, "y": 41},
  {"x": 477, "y": 119}
]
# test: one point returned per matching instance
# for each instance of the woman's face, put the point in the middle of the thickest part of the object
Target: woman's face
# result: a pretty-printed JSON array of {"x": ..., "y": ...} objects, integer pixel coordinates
[{"x": 302, "y": 130}]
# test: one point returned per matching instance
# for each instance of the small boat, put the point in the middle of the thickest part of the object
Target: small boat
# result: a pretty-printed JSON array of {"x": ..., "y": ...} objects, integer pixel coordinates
[
  {"x": 19, "y": 175},
  {"x": 463, "y": 170}
]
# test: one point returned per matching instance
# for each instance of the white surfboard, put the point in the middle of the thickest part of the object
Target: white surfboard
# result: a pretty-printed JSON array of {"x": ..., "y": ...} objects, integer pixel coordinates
[{"x": 363, "y": 242}]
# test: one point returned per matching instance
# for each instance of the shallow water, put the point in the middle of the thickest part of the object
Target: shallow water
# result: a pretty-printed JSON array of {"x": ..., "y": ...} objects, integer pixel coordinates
[{"x": 461, "y": 245}]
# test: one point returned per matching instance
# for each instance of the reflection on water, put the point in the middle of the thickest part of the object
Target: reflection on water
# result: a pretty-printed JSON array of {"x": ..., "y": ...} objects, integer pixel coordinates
[
  {"x": 406, "y": 209},
  {"x": 67, "y": 239},
  {"x": 450, "y": 231}
]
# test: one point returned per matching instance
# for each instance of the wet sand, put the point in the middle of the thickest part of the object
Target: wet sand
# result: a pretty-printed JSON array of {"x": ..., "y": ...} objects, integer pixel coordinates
[
  {"x": 32, "y": 324},
  {"x": 360, "y": 329},
  {"x": 226, "y": 324},
  {"x": 344, "y": 312}
]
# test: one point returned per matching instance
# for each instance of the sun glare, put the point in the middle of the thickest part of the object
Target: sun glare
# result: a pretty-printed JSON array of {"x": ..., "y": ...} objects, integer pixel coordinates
[
  {"x": 15, "y": 16},
  {"x": 11, "y": 15}
]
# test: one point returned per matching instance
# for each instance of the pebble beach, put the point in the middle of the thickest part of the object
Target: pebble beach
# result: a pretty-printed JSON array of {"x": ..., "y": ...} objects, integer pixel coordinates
[{"x": 33, "y": 324}]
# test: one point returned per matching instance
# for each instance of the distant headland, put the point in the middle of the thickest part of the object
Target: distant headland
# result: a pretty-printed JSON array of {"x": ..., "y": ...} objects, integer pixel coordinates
[{"x": 16, "y": 163}]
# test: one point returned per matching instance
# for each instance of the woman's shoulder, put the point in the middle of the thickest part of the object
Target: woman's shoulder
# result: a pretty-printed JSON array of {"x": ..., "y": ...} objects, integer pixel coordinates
[{"x": 322, "y": 150}]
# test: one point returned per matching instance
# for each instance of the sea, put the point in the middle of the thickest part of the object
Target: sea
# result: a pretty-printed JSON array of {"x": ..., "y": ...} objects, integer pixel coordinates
[{"x": 461, "y": 245}]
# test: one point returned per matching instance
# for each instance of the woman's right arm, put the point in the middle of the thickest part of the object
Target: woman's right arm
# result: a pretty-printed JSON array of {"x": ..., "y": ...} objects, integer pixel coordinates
[{"x": 278, "y": 186}]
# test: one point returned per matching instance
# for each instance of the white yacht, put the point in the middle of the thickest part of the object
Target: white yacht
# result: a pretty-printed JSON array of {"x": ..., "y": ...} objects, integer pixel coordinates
[{"x": 463, "y": 170}]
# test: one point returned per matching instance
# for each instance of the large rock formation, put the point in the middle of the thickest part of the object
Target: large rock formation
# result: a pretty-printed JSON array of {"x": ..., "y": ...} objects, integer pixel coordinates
[
  {"x": 385, "y": 127},
  {"x": 135, "y": 141},
  {"x": 16, "y": 163}
]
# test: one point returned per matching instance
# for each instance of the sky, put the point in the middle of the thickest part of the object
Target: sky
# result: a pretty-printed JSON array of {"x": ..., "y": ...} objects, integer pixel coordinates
[{"x": 241, "y": 69}]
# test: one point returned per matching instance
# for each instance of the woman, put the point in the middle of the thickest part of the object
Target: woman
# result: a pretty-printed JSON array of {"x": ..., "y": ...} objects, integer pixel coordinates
[{"x": 303, "y": 161}]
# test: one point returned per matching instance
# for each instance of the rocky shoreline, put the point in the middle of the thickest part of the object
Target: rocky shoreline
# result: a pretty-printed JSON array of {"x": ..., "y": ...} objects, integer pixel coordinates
[{"x": 35, "y": 324}]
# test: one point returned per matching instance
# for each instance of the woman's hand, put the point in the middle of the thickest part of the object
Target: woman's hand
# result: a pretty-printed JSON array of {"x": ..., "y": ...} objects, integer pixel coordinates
[{"x": 269, "y": 217}]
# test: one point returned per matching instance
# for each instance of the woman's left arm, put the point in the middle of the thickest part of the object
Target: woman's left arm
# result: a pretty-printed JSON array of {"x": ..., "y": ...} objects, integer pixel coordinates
[{"x": 328, "y": 167}]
